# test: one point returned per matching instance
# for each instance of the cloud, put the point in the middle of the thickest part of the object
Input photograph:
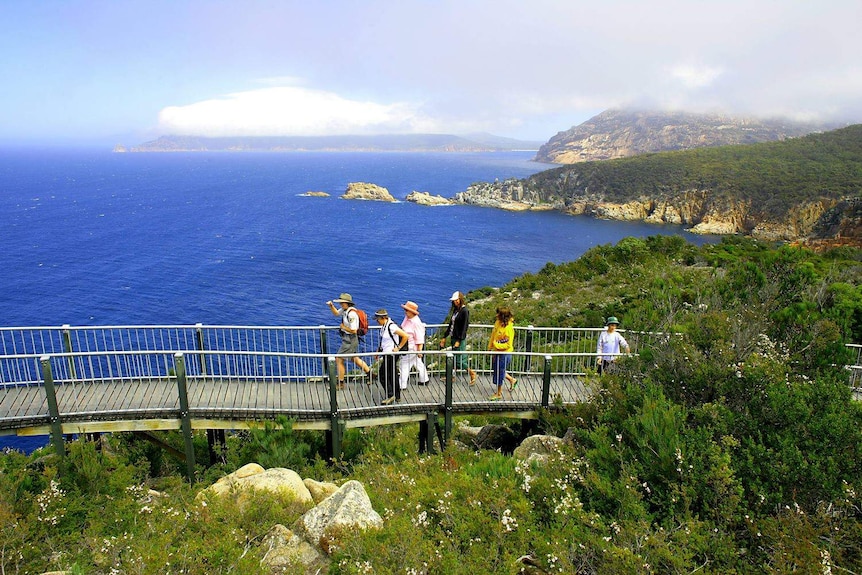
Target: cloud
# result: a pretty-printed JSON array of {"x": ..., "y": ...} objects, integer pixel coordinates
[
  {"x": 291, "y": 111},
  {"x": 695, "y": 76}
]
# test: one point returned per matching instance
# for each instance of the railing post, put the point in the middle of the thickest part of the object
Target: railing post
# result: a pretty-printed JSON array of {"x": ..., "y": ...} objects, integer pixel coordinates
[
  {"x": 528, "y": 359},
  {"x": 546, "y": 382},
  {"x": 323, "y": 348},
  {"x": 199, "y": 341},
  {"x": 334, "y": 436},
  {"x": 53, "y": 408},
  {"x": 450, "y": 380},
  {"x": 67, "y": 345},
  {"x": 185, "y": 416}
]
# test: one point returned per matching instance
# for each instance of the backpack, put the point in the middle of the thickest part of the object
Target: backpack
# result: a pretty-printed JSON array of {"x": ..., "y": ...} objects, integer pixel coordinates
[{"x": 363, "y": 322}]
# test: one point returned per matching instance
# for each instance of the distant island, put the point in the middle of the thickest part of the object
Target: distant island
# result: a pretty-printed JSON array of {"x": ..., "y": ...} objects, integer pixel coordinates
[{"x": 380, "y": 143}]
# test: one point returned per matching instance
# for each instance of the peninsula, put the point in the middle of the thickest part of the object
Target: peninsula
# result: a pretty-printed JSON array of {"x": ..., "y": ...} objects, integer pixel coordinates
[{"x": 800, "y": 189}]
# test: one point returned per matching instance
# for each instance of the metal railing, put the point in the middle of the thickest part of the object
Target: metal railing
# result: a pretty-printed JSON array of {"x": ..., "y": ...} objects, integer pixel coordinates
[
  {"x": 855, "y": 368},
  {"x": 63, "y": 377},
  {"x": 301, "y": 348},
  {"x": 242, "y": 372}
]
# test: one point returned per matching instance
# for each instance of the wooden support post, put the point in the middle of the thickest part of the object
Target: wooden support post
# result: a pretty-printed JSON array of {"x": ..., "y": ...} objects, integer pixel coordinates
[
  {"x": 423, "y": 436},
  {"x": 450, "y": 383},
  {"x": 428, "y": 429},
  {"x": 199, "y": 341},
  {"x": 430, "y": 426},
  {"x": 324, "y": 349},
  {"x": 528, "y": 359},
  {"x": 53, "y": 408},
  {"x": 67, "y": 346},
  {"x": 185, "y": 416},
  {"x": 546, "y": 382},
  {"x": 336, "y": 429}
]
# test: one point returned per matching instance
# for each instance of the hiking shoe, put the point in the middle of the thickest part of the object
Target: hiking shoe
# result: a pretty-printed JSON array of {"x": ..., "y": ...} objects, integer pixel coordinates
[{"x": 388, "y": 400}]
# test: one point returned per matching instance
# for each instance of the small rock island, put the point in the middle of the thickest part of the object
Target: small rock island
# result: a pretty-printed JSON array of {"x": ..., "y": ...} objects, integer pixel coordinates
[{"x": 366, "y": 191}]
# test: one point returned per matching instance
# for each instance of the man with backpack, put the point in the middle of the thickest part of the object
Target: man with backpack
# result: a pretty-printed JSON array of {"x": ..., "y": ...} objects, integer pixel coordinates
[
  {"x": 351, "y": 329},
  {"x": 392, "y": 339}
]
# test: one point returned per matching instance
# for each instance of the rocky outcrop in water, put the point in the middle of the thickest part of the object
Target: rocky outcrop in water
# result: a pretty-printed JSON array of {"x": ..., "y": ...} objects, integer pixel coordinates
[
  {"x": 366, "y": 191},
  {"x": 426, "y": 199}
]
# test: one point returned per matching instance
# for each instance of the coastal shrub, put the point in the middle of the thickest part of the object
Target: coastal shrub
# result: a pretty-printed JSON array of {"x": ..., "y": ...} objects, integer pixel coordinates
[{"x": 275, "y": 444}]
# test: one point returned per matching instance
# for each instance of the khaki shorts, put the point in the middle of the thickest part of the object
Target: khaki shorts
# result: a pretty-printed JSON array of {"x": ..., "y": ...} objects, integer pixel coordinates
[{"x": 349, "y": 343}]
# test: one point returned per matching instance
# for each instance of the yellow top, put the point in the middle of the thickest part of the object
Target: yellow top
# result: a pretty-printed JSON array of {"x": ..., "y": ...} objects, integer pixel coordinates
[{"x": 502, "y": 337}]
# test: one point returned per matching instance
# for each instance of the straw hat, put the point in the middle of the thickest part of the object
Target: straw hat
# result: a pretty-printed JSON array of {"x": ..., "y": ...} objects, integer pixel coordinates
[{"x": 344, "y": 298}]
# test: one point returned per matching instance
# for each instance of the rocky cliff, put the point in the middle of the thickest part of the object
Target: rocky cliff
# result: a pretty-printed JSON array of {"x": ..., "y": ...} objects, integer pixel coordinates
[
  {"x": 698, "y": 210},
  {"x": 801, "y": 189},
  {"x": 623, "y": 133}
]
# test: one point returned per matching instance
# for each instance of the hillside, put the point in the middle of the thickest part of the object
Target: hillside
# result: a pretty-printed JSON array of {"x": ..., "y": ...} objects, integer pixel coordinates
[
  {"x": 623, "y": 133},
  {"x": 381, "y": 143},
  {"x": 733, "y": 446},
  {"x": 802, "y": 188}
]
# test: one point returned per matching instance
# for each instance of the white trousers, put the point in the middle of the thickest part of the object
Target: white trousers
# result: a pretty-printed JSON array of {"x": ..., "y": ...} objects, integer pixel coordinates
[{"x": 408, "y": 362}]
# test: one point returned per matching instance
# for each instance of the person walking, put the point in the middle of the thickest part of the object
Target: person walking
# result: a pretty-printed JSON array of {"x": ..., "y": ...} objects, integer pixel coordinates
[
  {"x": 502, "y": 341},
  {"x": 392, "y": 339},
  {"x": 415, "y": 330},
  {"x": 459, "y": 321},
  {"x": 349, "y": 337},
  {"x": 608, "y": 346}
]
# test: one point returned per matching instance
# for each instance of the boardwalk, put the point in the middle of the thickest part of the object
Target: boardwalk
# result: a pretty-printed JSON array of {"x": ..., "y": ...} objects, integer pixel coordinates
[
  {"x": 71, "y": 380},
  {"x": 115, "y": 378}
]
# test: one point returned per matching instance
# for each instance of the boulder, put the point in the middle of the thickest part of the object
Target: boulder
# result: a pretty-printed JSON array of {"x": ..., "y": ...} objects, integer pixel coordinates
[
  {"x": 319, "y": 490},
  {"x": 467, "y": 433},
  {"x": 345, "y": 510},
  {"x": 254, "y": 477},
  {"x": 365, "y": 191},
  {"x": 538, "y": 448},
  {"x": 283, "y": 549},
  {"x": 496, "y": 437}
]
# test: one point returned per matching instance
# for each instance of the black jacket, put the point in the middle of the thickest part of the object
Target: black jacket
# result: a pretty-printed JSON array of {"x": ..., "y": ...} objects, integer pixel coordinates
[{"x": 458, "y": 324}]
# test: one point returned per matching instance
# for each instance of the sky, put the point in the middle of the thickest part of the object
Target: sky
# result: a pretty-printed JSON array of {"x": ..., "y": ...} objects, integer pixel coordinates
[{"x": 127, "y": 71}]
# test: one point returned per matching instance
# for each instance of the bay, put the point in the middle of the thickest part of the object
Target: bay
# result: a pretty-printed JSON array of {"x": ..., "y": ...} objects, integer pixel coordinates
[
  {"x": 94, "y": 238},
  {"x": 100, "y": 238}
]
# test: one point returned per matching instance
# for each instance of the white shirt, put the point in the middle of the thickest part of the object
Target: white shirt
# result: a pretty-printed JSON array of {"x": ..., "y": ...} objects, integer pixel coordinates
[
  {"x": 348, "y": 319},
  {"x": 389, "y": 338},
  {"x": 610, "y": 343}
]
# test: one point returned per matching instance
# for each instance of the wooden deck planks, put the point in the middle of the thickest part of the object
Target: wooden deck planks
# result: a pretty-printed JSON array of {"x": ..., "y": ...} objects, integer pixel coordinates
[{"x": 232, "y": 399}]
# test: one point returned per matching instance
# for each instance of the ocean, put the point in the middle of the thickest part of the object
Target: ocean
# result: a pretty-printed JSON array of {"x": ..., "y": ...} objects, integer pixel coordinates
[{"x": 101, "y": 238}]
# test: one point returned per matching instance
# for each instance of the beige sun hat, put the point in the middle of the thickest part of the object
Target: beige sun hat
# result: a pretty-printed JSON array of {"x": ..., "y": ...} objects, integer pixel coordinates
[{"x": 344, "y": 298}]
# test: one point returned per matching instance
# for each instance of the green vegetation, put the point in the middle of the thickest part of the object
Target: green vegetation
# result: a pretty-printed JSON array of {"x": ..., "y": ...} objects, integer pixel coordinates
[
  {"x": 733, "y": 447},
  {"x": 773, "y": 176}
]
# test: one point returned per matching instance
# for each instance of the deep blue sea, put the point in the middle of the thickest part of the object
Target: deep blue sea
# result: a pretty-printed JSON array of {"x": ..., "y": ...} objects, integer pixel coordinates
[{"x": 101, "y": 238}]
